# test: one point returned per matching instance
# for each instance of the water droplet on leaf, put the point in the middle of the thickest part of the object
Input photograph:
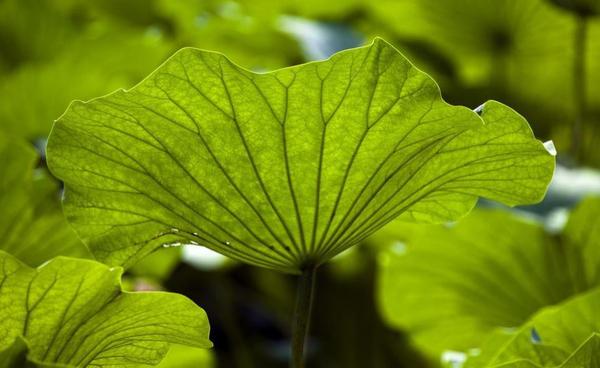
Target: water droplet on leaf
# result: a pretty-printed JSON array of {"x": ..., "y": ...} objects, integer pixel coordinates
[{"x": 535, "y": 336}]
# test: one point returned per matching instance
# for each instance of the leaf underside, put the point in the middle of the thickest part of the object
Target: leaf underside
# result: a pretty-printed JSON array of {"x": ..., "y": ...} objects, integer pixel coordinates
[
  {"x": 287, "y": 168},
  {"x": 72, "y": 313}
]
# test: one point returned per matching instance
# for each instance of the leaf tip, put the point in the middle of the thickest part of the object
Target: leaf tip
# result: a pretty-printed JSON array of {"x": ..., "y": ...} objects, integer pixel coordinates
[
  {"x": 550, "y": 147},
  {"x": 479, "y": 109},
  {"x": 379, "y": 41}
]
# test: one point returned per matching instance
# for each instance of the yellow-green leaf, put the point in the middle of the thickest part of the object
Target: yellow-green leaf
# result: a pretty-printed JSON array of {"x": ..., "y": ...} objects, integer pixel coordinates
[
  {"x": 286, "y": 168},
  {"x": 72, "y": 312}
]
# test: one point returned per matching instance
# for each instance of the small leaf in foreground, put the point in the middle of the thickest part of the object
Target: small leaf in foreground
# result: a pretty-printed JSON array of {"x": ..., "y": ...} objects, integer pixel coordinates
[
  {"x": 72, "y": 312},
  {"x": 283, "y": 169}
]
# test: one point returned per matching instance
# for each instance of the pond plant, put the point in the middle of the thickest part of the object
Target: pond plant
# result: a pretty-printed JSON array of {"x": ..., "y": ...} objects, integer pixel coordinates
[{"x": 282, "y": 169}]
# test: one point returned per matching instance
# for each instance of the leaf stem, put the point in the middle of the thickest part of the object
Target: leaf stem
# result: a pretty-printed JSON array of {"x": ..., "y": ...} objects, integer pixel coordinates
[
  {"x": 579, "y": 88},
  {"x": 302, "y": 314}
]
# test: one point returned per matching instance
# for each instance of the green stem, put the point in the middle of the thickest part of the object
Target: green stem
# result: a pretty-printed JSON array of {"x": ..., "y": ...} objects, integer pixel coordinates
[
  {"x": 302, "y": 313},
  {"x": 579, "y": 87}
]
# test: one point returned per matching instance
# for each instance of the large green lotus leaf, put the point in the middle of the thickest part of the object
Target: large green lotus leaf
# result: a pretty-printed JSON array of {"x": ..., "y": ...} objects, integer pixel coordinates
[
  {"x": 566, "y": 336},
  {"x": 72, "y": 312},
  {"x": 286, "y": 168},
  {"x": 451, "y": 286},
  {"x": 32, "y": 224}
]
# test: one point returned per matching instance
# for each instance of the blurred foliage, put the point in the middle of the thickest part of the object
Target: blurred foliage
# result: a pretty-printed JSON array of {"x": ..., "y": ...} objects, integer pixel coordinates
[
  {"x": 489, "y": 271},
  {"x": 565, "y": 336},
  {"x": 54, "y": 52},
  {"x": 37, "y": 93},
  {"x": 32, "y": 225},
  {"x": 521, "y": 52},
  {"x": 229, "y": 28}
]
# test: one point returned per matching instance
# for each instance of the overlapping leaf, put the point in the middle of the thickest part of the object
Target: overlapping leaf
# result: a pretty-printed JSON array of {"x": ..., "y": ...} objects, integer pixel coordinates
[
  {"x": 286, "y": 168},
  {"x": 565, "y": 336},
  {"x": 32, "y": 225},
  {"x": 452, "y": 286},
  {"x": 72, "y": 313},
  {"x": 180, "y": 356}
]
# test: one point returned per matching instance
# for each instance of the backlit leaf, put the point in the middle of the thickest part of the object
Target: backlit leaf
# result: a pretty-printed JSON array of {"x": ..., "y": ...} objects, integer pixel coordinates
[
  {"x": 72, "y": 312},
  {"x": 287, "y": 168}
]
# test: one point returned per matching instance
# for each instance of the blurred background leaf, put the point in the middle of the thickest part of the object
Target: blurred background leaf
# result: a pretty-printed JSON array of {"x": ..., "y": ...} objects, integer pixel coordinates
[
  {"x": 32, "y": 225},
  {"x": 564, "y": 336},
  {"x": 492, "y": 270}
]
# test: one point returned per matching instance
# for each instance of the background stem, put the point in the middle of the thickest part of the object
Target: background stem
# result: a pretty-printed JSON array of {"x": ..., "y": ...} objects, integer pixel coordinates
[
  {"x": 579, "y": 87},
  {"x": 302, "y": 313}
]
